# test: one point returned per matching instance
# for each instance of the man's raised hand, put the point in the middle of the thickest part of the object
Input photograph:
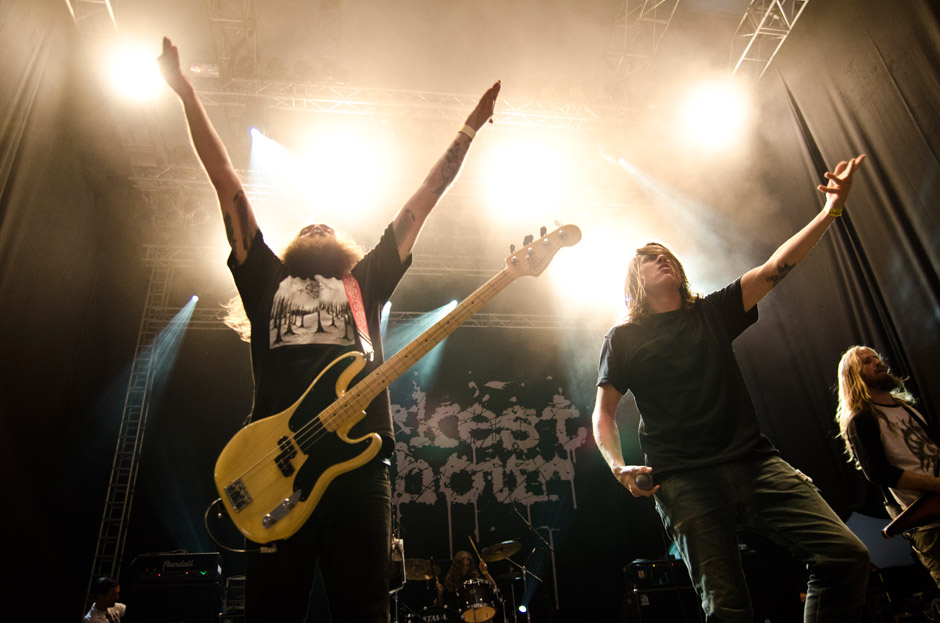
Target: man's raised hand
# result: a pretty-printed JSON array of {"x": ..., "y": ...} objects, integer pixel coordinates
[
  {"x": 169, "y": 63},
  {"x": 484, "y": 108},
  {"x": 840, "y": 182}
]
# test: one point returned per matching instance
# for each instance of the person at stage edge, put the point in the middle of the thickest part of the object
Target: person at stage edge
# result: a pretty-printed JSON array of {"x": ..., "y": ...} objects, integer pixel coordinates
[
  {"x": 713, "y": 469},
  {"x": 893, "y": 444},
  {"x": 451, "y": 592},
  {"x": 349, "y": 532},
  {"x": 106, "y": 608}
]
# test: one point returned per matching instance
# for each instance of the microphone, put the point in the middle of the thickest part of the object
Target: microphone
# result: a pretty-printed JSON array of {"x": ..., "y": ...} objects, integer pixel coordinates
[{"x": 644, "y": 481}]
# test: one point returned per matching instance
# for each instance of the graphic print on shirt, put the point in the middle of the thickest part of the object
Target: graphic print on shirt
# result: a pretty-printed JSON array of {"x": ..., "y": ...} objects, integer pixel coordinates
[
  {"x": 311, "y": 311},
  {"x": 920, "y": 445}
]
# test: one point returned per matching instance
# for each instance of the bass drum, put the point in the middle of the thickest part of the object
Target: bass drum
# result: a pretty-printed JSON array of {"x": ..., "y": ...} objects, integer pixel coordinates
[
  {"x": 436, "y": 614},
  {"x": 478, "y": 601}
]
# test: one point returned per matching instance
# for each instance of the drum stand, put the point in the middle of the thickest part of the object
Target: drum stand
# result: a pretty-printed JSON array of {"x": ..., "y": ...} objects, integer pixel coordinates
[{"x": 525, "y": 584}]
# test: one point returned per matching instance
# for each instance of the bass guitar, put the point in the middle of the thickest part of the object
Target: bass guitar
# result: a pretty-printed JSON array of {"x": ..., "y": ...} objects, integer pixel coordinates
[
  {"x": 273, "y": 472},
  {"x": 922, "y": 511}
]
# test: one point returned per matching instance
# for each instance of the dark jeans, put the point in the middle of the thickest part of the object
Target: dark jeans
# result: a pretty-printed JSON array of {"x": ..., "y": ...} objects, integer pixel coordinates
[
  {"x": 703, "y": 509},
  {"x": 349, "y": 534}
]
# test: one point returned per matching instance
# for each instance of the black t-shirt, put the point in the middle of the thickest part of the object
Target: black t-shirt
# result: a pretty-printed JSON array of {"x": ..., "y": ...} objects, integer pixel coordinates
[
  {"x": 299, "y": 326},
  {"x": 694, "y": 406}
]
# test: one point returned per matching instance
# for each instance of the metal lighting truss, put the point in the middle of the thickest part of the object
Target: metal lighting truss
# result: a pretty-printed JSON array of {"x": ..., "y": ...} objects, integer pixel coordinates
[
  {"x": 395, "y": 103},
  {"x": 763, "y": 29},
  {"x": 638, "y": 30},
  {"x": 112, "y": 531},
  {"x": 93, "y": 17}
]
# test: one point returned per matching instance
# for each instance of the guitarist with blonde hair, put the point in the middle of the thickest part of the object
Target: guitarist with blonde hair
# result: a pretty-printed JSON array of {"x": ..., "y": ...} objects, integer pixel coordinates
[
  {"x": 890, "y": 441},
  {"x": 318, "y": 303}
]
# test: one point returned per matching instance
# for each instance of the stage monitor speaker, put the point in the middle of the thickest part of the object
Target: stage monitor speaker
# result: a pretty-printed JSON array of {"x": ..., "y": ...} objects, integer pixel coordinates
[
  {"x": 662, "y": 605},
  {"x": 173, "y": 603},
  {"x": 174, "y": 588}
]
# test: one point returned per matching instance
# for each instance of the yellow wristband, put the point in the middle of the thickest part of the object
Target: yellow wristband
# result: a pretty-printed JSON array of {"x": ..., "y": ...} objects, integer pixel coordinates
[
  {"x": 468, "y": 131},
  {"x": 837, "y": 212}
]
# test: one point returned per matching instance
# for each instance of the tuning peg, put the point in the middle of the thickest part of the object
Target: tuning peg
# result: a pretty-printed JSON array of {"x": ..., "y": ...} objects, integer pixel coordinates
[
  {"x": 512, "y": 248},
  {"x": 528, "y": 239},
  {"x": 542, "y": 231}
]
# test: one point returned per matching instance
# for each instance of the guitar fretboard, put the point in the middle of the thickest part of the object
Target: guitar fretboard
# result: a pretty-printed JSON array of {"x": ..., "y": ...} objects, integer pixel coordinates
[{"x": 348, "y": 409}]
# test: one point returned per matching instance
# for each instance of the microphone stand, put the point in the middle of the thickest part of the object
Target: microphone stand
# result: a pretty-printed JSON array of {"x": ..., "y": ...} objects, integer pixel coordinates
[{"x": 549, "y": 545}]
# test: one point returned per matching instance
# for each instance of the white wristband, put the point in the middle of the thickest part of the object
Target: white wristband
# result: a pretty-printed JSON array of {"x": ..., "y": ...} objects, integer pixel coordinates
[{"x": 470, "y": 132}]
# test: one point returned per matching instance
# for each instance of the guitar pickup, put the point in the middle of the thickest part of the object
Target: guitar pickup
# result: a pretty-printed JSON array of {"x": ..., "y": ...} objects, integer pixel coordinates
[
  {"x": 283, "y": 459},
  {"x": 281, "y": 510},
  {"x": 238, "y": 495}
]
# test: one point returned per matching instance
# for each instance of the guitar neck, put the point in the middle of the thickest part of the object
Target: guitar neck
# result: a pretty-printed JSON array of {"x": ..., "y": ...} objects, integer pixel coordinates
[{"x": 349, "y": 407}]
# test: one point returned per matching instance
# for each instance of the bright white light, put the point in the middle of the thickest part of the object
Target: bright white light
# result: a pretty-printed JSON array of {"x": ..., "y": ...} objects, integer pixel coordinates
[
  {"x": 270, "y": 159},
  {"x": 345, "y": 170},
  {"x": 133, "y": 72},
  {"x": 715, "y": 114},
  {"x": 527, "y": 178},
  {"x": 588, "y": 278}
]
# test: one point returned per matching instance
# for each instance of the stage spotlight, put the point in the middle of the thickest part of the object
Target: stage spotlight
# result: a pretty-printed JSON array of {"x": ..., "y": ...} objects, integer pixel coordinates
[
  {"x": 205, "y": 70},
  {"x": 304, "y": 71},
  {"x": 528, "y": 177},
  {"x": 346, "y": 165},
  {"x": 133, "y": 72},
  {"x": 523, "y": 609},
  {"x": 276, "y": 69},
  {"x": 194, "y": 298},
  {"x": 244, "y": 67},
  {"x": 715, "y": 115}
]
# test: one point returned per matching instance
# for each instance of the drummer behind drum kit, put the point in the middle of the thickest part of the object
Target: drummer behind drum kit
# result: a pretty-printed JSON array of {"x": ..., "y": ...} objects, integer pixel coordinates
[{"x": 479, "y": 603}]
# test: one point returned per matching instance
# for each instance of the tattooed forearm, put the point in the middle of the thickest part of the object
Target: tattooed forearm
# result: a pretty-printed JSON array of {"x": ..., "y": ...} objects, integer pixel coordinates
[
  {"x": 782, "y": 271},
  {"x": 241, "y": 212},
  {"x": 449, "y": 167},
  {"x": 229, "y": 232},
  {"x": 403, "y": 224}
]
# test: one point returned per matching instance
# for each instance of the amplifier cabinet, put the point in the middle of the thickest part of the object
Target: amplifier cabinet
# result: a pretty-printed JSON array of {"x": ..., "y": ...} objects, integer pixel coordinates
[
  {"x": 174, "y": 603},
  {"x": 662, "y": 605}
]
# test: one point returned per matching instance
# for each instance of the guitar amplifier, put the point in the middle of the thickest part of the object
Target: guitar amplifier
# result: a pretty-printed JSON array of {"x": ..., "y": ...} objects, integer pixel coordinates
[
  {"x": 659, "y": 591},
  {"x": 642, "y": 574},
  {"x": 176, "y": 568},
  {"x": 174, "y": 588}
]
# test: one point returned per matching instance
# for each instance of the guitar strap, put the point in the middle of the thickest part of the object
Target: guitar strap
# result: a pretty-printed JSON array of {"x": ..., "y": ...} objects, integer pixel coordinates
[{"x": 354, "y": 296}]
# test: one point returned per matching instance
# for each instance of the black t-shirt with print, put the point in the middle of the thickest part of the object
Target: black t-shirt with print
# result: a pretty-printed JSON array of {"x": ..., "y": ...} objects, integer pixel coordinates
[
  {"x": 694, "y": 405},
  {"x": 299, "y": 326}
]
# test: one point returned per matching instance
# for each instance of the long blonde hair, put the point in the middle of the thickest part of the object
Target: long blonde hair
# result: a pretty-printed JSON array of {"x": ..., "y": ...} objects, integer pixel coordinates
[
  {"x": 634, "y": 288},
  {"x": 854, "y": 395}
]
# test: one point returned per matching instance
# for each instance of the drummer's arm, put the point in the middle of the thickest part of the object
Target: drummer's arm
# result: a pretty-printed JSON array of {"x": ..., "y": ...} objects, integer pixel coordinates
[
  {"x": 439, "y": 600},
  {"x": 486, "y": 574}
]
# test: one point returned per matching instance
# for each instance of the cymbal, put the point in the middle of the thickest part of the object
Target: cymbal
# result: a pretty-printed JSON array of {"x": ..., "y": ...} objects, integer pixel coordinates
[
  {"x": 420, "y": 569},
  {"x": 510, "y": 575},
  {"x": 500, "y": 551}
]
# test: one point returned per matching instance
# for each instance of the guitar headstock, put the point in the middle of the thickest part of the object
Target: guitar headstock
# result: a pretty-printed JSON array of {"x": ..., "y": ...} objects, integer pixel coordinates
[{"x": 535, "y": 256}]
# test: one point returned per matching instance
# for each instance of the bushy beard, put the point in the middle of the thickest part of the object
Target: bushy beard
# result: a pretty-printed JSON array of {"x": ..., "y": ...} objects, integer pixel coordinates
[
  {"x": 886, "y": 383},
  {"x": 327, "y": 256}
]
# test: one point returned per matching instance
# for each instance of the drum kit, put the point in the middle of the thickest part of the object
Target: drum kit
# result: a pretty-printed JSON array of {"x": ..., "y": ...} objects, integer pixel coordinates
[{"x": 477, "y": 601}]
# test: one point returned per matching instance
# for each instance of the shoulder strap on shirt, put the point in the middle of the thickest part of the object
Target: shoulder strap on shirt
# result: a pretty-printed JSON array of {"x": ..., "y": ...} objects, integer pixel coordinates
[{"x": 354, "y": 296}]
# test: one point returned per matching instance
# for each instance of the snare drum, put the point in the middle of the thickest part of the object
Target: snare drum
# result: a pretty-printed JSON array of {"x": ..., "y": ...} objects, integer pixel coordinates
[{"x": 478, "y": 601}]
